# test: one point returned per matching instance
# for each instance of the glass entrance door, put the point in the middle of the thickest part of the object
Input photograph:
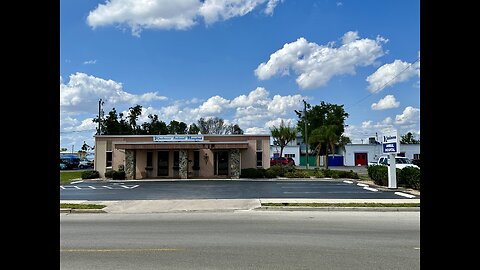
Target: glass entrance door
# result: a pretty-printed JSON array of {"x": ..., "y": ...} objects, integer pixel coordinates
[
  {"x": 162, "y": 163},
  {"x": 221, "y": 163}
]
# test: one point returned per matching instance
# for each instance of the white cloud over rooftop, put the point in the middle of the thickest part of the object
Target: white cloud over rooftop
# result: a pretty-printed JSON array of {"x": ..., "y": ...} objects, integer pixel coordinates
[{"x": 316, "y": 64}]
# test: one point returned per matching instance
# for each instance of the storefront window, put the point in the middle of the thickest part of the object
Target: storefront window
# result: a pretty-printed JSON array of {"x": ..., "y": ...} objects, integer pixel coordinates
[{"x": 109, "y": 159}]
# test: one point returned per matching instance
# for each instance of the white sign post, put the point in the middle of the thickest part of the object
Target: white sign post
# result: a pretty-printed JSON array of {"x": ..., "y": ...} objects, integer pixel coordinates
[{"x": 391, "y": 146}]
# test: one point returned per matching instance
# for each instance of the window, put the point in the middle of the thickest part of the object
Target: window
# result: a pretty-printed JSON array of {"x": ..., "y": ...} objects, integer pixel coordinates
[
  {"x": 290, "y": 155},
  {"x": 196, "y": 160},
  {"x": 259, "y": 159},
  {"x": 109, "y": 159},
  {"x": 259, "y": 145},
  {"x": 259, "y": 153},
  {"x": 149, "y": 159},
  {"x": 176, "y": 160}
]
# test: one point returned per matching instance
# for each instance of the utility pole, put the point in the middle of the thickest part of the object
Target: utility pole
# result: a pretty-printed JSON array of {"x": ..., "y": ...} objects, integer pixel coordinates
[
  {"x": 306, "y": 139},
  {"x": 100, "y": 103}
]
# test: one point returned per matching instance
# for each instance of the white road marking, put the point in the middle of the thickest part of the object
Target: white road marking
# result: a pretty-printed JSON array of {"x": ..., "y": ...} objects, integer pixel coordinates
[
  {"x": 76, "y": 182},
  {"x": 129, "y": 187},
  {"x": 62, "y": 187},
  {"x": 369, "y": 188},
  {"x": 76, "y": 187},
  {"x": 92, "y": 187},
  {"x": 405, "y": 195},
  {"x": 348, "y": 182},
  {"x": 107, "y": 187},
  {"x": 362, "y": 185}
]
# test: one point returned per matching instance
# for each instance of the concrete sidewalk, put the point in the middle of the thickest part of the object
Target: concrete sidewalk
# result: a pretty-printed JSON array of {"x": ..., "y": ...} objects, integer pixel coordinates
[{"x": 165, "y": 206}]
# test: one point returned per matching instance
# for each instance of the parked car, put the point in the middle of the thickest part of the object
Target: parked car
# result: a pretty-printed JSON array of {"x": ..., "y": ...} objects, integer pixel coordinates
[
  {"x": 85, "y": 163},
  {"x": 291, "y": 161},
  {"x": 63, "y": 166},
  {"x": 71, "y": 162},
  {"x": 278, "y": 161},
  {"x": 400, "y": 162}
]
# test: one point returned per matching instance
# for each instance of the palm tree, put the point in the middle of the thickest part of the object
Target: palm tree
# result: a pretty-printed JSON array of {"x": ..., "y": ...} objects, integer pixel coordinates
[
  {"x": 282, "y": 135},
  {"x": 325, "y": 135}
]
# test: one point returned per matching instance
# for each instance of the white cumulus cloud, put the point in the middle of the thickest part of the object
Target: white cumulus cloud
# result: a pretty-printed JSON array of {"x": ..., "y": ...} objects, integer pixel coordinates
[
  {"x": 82, "y": 93},
  {"x": 316, "y": 64},
  {"x": 390, "y": 74},
  {"x": 410, "y": 115},
  {"x": 388, "y": 102},
  {"x": 167, "y": 14}
]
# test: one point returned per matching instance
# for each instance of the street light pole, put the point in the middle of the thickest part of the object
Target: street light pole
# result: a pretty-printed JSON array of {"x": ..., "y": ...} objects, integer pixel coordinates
[{"x": 306, "y": 138}]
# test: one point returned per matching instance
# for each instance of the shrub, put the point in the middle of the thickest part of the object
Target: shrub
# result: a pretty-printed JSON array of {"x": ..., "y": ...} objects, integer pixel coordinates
[
  {"x": 409, "y": 177},
  {"x": 348, "y": 174},
  {"x": 318, "y": 173},
  {"x": 379, "y": 174},
  {"x": 252, "y": 173},
  {"x": 278, "y": 170},
  {"x": 109, "y": 174},
  {"x": 90, "y": 174},
  {"x": 118, "y": 175},
  {"x": 297, "y": 174}
]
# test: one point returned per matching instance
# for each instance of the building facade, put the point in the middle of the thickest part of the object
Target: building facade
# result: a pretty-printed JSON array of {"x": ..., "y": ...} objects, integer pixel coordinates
[
  {"x": 181, "y": 156},
  {"x": 362, "y": 154},
  {"x": 291, "y": 150}
]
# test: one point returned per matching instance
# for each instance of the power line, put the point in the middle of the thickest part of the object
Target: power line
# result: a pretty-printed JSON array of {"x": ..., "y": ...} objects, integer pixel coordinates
[{"x": 383, "y": 86}]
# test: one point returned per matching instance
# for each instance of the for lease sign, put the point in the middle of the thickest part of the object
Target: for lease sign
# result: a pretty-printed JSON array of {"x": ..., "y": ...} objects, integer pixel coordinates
[{"x": 391, "y": 143}]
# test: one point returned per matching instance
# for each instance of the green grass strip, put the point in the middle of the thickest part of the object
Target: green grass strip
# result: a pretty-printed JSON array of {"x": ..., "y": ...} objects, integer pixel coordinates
[
  {"x": 344, "y": 204},
  {"x": 81, "y": 206},
  {"x": 67, "y": 177}
]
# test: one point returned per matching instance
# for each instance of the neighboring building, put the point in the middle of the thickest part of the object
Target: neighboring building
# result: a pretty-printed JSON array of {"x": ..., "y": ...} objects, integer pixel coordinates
[
  {"x": 292, "y": 150},
  {"x": 181, "y": 156},
  {"x": 362, "y": 154}
]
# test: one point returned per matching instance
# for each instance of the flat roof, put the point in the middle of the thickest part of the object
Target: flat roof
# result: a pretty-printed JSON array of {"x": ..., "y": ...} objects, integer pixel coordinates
[{"x": 146, "y": 136}]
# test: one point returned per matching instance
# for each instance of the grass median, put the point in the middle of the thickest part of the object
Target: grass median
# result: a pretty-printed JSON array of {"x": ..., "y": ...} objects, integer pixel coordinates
[
  {"x": 81, "y": 206},
  {"x": 344, "y": 204}
]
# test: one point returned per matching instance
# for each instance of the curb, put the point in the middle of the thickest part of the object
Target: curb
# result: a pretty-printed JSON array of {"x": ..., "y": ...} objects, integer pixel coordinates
[{"x": 368, "y": 209}]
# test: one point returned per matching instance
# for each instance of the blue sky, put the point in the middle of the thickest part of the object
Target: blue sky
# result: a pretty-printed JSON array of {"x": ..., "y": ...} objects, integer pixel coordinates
[{"x": 250, "y": 62}]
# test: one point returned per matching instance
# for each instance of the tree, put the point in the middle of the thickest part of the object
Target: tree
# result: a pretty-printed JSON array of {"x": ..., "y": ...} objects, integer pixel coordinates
[
  {"x": 325, "y": 135},
  {"x": 176, "y": 127},
  {"x": 282, "y": 135},
  {"x": 233, "y": 129},
  {"x": 154, "y": 127},
  {"x": 216, "y": 125},
  {"x": 193, "y": 129},
  {"x": 63, "y": 149},
  {"x": 134, "y": 113},
  {"x": 325, "y": 114},
  {"x": 409, "y": 138}
]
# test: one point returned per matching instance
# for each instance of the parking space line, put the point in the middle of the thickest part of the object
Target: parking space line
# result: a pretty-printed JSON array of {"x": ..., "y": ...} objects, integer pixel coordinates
[
  {"x": 369, "y": 188},
  {"x": 348, "y": 182},
  {"x": 62, "y": 187},
  {"x": 362, "y": 185},
  {"x": 92, "y": 187},
  {"x": 405, "y": 195},
  {"x": 107, "y": 187},
  {"x": 76, "y": 187}
]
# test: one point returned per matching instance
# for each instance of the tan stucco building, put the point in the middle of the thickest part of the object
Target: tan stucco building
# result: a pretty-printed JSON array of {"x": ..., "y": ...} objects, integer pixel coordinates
[{"x": 181, "y": 156}]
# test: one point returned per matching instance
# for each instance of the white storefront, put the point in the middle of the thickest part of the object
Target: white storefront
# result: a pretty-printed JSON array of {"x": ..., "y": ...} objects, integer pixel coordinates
[
  {"x": 291, "y": 150},
  {"x": 362, "y": 154}
]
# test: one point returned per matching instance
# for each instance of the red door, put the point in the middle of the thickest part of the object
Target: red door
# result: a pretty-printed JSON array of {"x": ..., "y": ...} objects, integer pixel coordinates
[{"x": 361, "y": 159}]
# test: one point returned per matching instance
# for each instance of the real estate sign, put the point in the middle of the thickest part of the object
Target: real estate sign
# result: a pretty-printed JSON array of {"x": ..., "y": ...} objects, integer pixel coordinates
[{"x": 391, "y": 143}]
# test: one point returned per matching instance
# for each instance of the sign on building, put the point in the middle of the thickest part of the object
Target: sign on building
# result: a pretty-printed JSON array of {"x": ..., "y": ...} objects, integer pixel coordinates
[
  {"x": 391, "y": 143},
  {"x": 178, "y": 138}
]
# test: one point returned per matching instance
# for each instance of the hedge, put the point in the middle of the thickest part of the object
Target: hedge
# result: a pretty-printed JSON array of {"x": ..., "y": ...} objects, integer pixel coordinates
[
  {"x": 90, "y": 174},
  {"x": 408, "y": 177}
]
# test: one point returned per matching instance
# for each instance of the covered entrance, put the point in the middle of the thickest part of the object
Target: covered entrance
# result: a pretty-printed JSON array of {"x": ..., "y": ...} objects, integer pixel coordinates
[{"x": 220, "y": 163}]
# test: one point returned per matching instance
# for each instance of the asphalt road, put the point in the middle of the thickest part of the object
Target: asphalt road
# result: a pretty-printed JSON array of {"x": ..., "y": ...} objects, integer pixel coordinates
[
  {"x": 241, "y": 240},
  {"x": 221, "y": 189}
]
